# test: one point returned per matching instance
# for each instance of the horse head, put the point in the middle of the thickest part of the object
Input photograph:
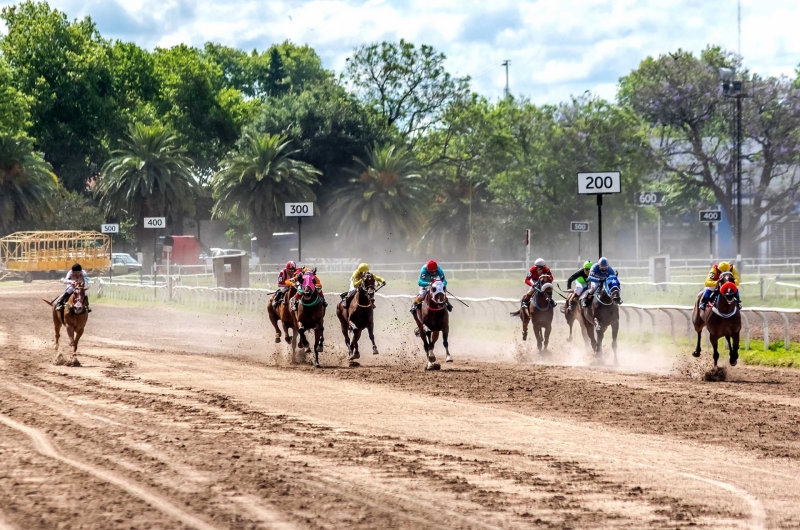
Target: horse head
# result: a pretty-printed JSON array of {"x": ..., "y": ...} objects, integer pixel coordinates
[
  {"x": 546, "y": 287},
  {"x": 613, "y": 289},
  {"x": 437, "y": 292},
  {"x": 728, "y": 291},
  {"x": 78, "y": 297},
  {"x": 368, "y": 285},
  {"x": 309, "y": 285},
  {"x": 725, "y": 277}
]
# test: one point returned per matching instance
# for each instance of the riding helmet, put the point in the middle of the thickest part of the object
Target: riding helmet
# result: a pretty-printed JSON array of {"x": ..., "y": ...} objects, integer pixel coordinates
[
  {"x": 724, "y": 266},
  {"x": 539, "y": 263},
  {"x": 587, "y": 265},
  {"x": 603, "y": 263},
  {"x": 432, "y": 266},
  {"x": 291, "y": 265},
  {"x": 77, "y": 268}
]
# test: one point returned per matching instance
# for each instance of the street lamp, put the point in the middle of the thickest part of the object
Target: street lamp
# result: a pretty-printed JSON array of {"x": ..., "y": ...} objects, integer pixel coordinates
[{"x": 733, "y": 89}]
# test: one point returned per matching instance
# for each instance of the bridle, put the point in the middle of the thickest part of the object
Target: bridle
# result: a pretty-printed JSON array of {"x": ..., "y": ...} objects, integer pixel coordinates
[
  {"x": 368, "y": 290},
  {"x": 548, "y": 294}
]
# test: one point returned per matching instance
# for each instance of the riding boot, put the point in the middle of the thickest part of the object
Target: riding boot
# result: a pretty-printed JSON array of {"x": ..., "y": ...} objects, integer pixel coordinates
[
  {"x": 59, "y": 305},
  {"x": 414, "y": 307},
  {"x": 585, "y": 301},
  {"x": 524, "y": 302},
  {"x": 88, "y": 309},
  {"x": 702, "y": 306}
]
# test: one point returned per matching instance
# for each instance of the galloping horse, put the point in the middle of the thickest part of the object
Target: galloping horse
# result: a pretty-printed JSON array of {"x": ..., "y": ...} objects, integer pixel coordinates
[
  {"x": 722, "y": 318},
  {"x": 602, "y": 313},
  {"x": 539, "y": 312},
  {"x": 285, "y": 316},
  {"x": 358, "y": 315},
  {"x": 310, "y": 314},
  {"x": 73, "y": 316},
  {"x": 432, "y": 318}
]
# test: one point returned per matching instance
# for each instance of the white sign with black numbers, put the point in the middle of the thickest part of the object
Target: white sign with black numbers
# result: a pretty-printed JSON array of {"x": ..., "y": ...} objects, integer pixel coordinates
[
  {"x": 648, "y": 198},
  {"x": 299, "y": 209},
  {"x": 110, "y": 228},
  {"x": 598, "y": 183},
  {"x": 577, "y": 226},
  {"x": 710, "y": 216},
  {"x": 155, "y": 222}
]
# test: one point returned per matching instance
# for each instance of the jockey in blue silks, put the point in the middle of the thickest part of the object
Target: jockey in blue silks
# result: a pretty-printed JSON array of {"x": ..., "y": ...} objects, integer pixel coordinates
[
  {"x": 598, "y": 274},
  {"x": 429, "y": 273}
]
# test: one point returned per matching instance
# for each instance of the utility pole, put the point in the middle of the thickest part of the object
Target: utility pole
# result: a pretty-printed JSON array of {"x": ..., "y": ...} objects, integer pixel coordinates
[{"x": 506, "y": 63}]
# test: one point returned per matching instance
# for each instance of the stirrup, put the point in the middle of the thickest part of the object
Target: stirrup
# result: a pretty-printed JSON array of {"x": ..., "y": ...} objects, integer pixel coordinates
[{"x": 702, "y": 306}]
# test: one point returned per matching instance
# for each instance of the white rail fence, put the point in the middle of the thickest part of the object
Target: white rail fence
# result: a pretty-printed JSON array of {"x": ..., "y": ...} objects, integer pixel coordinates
[{"x": 638, "y": 320}]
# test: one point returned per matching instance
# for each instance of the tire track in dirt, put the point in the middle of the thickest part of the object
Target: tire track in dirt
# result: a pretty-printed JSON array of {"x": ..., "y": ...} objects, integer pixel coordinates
[{"x": 44, "y": 447}]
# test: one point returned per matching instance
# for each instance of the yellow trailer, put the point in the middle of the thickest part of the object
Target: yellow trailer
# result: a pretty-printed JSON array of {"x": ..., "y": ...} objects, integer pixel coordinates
[{"x": 50, "y": 254}]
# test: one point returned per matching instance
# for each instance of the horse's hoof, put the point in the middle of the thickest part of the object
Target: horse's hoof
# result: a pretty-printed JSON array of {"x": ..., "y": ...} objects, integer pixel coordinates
[
  {"x": 320, "y": 348},
  {"x": 448, "y": 359},
  {"x": 74, "y": 362},
  {"x": 734, "y": 361},
  {"x": 60, "y": 361},
  {"x": 569, "y": 339},
  {"x": 695, "y": 354},
  {"x": 374, "y": 350},
  {"x": 356, "y": 355},
  {"x": 317, "y": 365},
  {"x": 432, "y": 366},
  {"x": 354, "y": 364}
]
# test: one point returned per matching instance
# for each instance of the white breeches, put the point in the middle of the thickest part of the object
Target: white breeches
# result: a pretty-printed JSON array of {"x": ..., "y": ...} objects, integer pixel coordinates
[{"x": 578, "y": 288}]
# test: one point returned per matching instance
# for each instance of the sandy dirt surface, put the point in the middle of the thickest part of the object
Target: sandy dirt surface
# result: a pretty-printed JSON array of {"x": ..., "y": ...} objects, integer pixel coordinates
[{"x": 182, "y": 420}]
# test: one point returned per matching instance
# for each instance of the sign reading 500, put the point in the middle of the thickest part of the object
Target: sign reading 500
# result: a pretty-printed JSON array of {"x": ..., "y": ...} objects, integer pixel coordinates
[{"x": 598, "y": 183}]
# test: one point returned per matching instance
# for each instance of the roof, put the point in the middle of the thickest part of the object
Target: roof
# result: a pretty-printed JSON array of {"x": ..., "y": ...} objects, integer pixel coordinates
[{"x": 23, "y": 237}]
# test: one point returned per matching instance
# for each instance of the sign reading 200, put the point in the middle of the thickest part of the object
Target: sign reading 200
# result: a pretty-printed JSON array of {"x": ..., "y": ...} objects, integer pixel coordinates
[{"x": 598, "y": 183}]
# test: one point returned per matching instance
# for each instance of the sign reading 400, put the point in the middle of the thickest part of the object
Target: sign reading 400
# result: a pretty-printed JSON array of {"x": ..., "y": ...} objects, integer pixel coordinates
[
  {"x": 155, "y": 222},
  {"x": 598, "y": 183}
]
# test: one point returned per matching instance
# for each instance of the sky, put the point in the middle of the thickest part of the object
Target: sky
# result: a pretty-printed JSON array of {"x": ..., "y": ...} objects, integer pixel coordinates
[{"x": 556, "y": 48}]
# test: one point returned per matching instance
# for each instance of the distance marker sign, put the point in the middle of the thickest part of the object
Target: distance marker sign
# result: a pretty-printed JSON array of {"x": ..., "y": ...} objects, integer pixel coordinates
[
  {"x": 110, "y": 228},
  {"x": 710, "y": 216},
  {"x": 299, "y": 209},
  {"x": 598, "y": 183},
  {"x": 155, "y": 222},
  {"x": 648, "y": 198},
  {"x": 577, "y": 226}
]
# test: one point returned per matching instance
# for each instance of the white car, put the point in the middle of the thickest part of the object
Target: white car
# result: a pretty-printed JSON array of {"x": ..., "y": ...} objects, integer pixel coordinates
[{"x": 124, "y": 264}]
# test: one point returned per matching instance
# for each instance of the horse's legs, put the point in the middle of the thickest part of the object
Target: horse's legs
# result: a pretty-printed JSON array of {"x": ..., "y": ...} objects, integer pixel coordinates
[
  {"x": 345, "y": 331},
  {"x": 355, "y": 353},
  {"x": 523, "y": 314},
  {"x": 433, "y": 336},
  {"x": 715, "y": 345},
  {"x": 59, "y": 360},
  {"x": 569, "y": 323},
  {"x": 71, "y": 335},
  {"x": 445, "y": 333},
  {"x": 599, "y": 351},
  {"x": 273, "y": 318},
  {"x": 288, "y": 338},
  {"x": 317, "y": 344},
  {"x": 302, "y": 332},
  {"x": 537, "y": 332},
  {"x": 547, "y": 329},
  {"x": 614, "y": 333},
  {"x": 696, "y": 351},
  {"x": 371, "y": 333},
  {"x": 735, "y": 350}
]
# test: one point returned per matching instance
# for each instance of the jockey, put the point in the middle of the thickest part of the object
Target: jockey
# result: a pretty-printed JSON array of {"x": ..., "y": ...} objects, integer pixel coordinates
[
  {"x": 355, "y": 282},
  {"x": 299, "y": 281},
  {"x": 285, "y": 281},
  {"x": 599, "y": 272},
  {"x": 712, "y": 282},
  {"x": 580, "y": 278},
  {"x": 535, "y": 273},
  {"x": 77, "y": 274},
  {"x": 429, "y": 273}
]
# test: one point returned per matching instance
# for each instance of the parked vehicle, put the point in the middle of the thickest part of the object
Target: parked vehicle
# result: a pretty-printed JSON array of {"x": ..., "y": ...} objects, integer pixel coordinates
[
  {"x": 50, "y": 254},
  {"x": 124, "y": 264}
]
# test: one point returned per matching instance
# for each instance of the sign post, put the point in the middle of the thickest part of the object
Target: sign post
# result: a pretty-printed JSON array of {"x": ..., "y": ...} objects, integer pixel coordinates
[
  {"x": 599, "y": 184},
  {"x": 299, "y": 210},
  {"x": 579, "y": 227},
  {"x": 648, "y": 198},
  {"x": 711, "y": 217},
  {"x": 155, "y": 223},
  {"x": 110, "y": 228}
]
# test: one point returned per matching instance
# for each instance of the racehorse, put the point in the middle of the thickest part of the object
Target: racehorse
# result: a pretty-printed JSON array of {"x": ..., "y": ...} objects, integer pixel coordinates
[
  {"x": 722, "y": 318},
  {"x": 285, "y": 316},
  {"x": 310, "y": 314},
  {"x": 602, "y": 313},
  {"x": 73, "y": 316},
  {"x": 539, "y": 312},
  {"x": 432, "y": 318},
  {"x": 358, "y": 315}
]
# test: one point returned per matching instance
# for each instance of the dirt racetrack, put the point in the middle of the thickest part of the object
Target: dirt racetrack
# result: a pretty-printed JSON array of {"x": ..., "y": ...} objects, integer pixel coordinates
[{"x": 184, "y": 420}]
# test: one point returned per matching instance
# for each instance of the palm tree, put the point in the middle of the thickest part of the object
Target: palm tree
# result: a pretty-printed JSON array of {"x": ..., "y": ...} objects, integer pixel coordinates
[
  {"x": 150, "y": 176},
  {"x": 27, "y": 183},
  {"x": 451, "y": 227},
  {"x": 258, "y": 178},
  {"x": 386, "y": 199}
]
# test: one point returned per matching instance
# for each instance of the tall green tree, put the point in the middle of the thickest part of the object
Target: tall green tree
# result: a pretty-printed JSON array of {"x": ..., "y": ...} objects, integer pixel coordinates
[
  {"x": 28, "y": 185},
  {"x": 408, "y": 86},
  {"x": 385, "y": 200},
  {"x": 148, "y": 176},
  {"x": 15, "y": 116},
  {"x": 680, "y": 96},
  {"x": 257, "y": 179},
  {"x": 64, "y": 67}
]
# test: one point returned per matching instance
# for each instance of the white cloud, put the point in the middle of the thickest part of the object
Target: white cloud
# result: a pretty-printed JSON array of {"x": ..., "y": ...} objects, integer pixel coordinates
[{"x": 556, "y": 47}]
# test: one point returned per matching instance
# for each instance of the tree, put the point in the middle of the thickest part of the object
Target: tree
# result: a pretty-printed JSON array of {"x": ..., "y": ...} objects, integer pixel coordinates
[
  {"x": 385, "y": 200},
  {"x": 408, "y": 86},
  {"x": 149, "y": 176},
  {"x": 276, "y": 82},
  {"x": 680, "y": 96},
  {"x": 15, "y": 115},
  {"x": 64, "y": 67},
  {"x": 255, "y": 180},
  {"x": 27, "y": 183}
]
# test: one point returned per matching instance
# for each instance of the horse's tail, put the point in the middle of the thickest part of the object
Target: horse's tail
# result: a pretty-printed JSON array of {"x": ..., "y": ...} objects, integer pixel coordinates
[{"x": 516, "y": 313}]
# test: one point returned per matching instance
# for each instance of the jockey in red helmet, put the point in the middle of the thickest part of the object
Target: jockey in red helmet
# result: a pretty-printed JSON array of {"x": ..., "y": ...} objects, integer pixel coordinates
[
  {"x": 534, "y": 279},
  {"x": 429, "y": 273},
  {"x": 286, "y": 280}
]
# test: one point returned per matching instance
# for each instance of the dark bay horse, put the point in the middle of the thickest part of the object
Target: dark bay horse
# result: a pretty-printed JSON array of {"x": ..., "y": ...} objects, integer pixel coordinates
[
  {"x": 538, "y": 312},
  {"x": 601, "y": 314},
  {"x": 285, "y": 316},
  {"x": 357, "y": 316},
  {"x": 73, "y": 317},
  {"x": 310, "y": 314},
  {"x": 432, "y": 318},
  {"x": 722, "y": 318}
]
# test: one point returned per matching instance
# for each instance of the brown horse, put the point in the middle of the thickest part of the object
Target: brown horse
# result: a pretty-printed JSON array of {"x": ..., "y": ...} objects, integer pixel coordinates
[
  {"x": 285, "y": 316},
  {"x": 357, "y": 315},
  {"x": 539, "y": 312},
  {"x": 73, "y": 316},
  {"x": 602, "y": 313},
  {"x": 722, "y": 318},
  {"x": 310, "y": 314},
  {"x": 432, "y": 318}
]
